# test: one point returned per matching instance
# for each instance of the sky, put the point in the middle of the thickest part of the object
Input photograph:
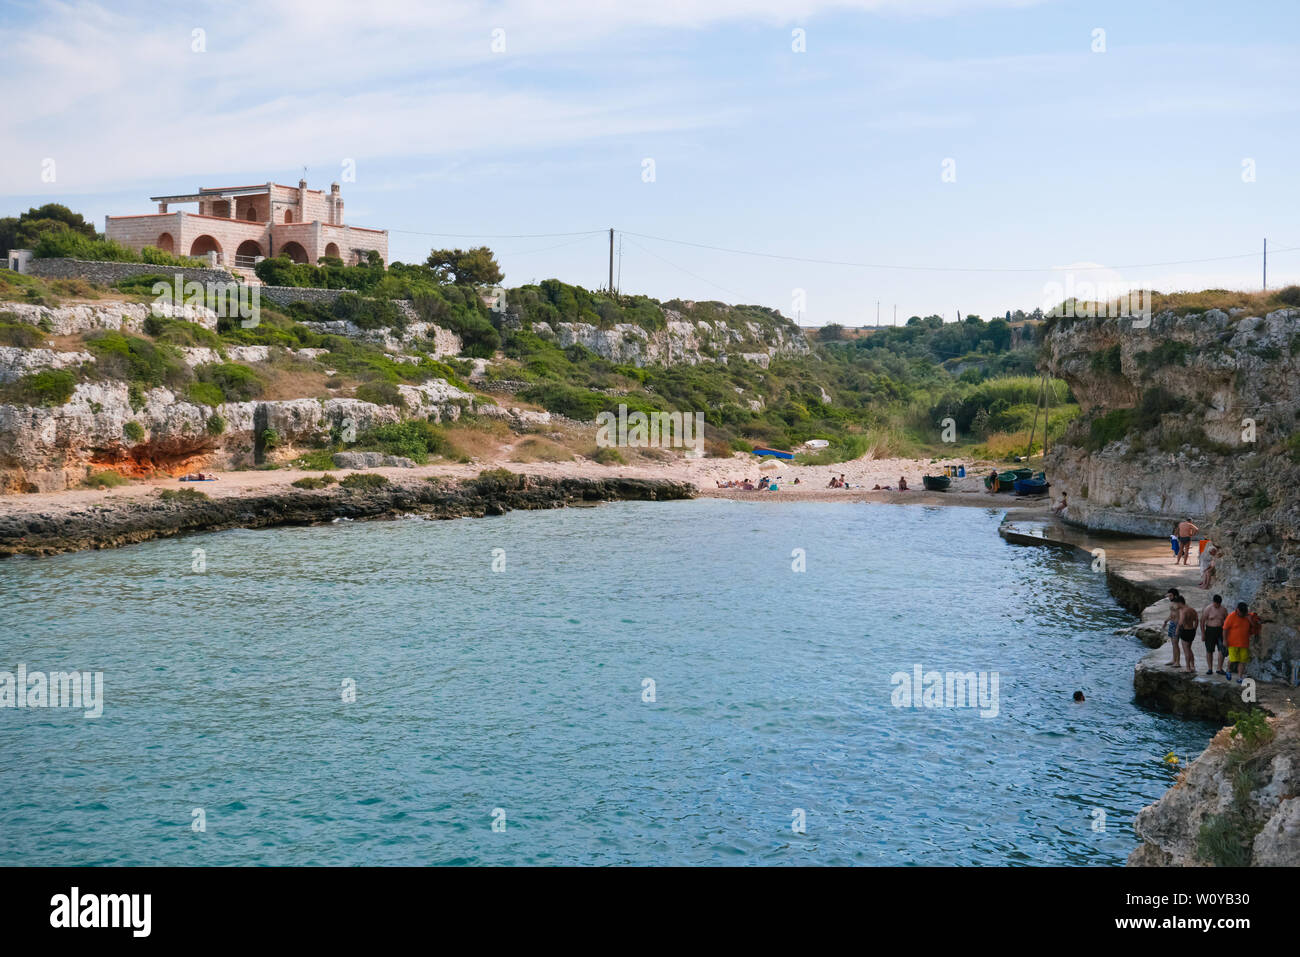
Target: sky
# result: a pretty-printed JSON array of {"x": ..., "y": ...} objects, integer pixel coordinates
[{"x": 833, "y": 159}]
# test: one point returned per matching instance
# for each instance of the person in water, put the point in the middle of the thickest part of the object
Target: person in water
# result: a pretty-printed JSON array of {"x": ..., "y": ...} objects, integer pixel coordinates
[
  {"x": 1212, "y": 618},
  {"x": 1078, "y": 696}
]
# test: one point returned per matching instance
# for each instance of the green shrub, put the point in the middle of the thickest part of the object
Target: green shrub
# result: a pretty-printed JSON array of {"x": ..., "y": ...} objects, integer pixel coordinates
[
  {"x": 238, "y": 383},
  {"x": 49, "y": 387},
  {"x": 133, "y": 430},
  {"x": 216, "y": 424},
  {"x": 491, "y": 481},
  {"x": 317, "y": 460},
  {"x": 1109, "y": 427},
  {"x": 205, "y": 393},
  {"x": 270, "y": 439},
  {"x": 315, "y": 482},
  {"x": 381, "y": 393},
  {"x": 20, "y": 334},
  {"x": 364, "y": 480},
  {"x": 608, "y": 455},
  {"x": 133, "y": 359},
  {"x": 415, "y": 439},
  {"x": 1168, "y": 353},
  {"x": 110, "y": 478},
  {"x": 182, "y": 495},
  {"x": 1289, "y": 295},
  {"x": 1251, "y": 727}
]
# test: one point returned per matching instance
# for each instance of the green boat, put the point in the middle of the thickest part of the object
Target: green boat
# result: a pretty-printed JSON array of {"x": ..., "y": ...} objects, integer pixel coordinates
[
  {"x": 1023, "y": 473},
  {"x": 936, "y": 483},
  {"x": 1006, "y": 481}
]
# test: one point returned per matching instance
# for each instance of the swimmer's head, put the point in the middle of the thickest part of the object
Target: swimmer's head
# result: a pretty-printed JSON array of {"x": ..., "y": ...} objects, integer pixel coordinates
[{"x": 1078, "y": 696}]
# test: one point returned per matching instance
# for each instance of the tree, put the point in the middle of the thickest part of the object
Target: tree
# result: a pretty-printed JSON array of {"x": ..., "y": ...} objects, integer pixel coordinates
[
  {"x": 475, "y": 267},
  {"x": 25, "y": 230},
  {"x": 831, "y": 332}
]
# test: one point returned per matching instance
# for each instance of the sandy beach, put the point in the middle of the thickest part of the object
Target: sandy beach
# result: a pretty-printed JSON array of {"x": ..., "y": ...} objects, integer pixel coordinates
[{"x": 861, "y": 476}]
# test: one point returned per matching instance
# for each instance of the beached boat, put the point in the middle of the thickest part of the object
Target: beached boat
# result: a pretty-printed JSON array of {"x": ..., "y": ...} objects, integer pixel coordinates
[
  {"x": 936, "y": 483},
  {"x": 1037, "y": 485},
  {"x": 1023, "y": 473},
  {"x": 779, "y": 455},
  {"x": 1005, "y": 481}
]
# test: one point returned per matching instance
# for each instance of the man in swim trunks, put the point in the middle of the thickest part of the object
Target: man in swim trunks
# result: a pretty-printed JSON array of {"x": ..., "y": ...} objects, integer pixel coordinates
[
  {"x": 1185, "y": 532},
  {"x": 1237, "y": 628},
  {"x": 1212, "y": 618},
  {"x": 1187, "y": 631},
  {"x": 1171, "y": 625}
]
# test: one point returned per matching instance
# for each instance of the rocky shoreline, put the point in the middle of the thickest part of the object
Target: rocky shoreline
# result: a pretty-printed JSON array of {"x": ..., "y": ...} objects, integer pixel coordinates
[{"x": 129, "y": 521}]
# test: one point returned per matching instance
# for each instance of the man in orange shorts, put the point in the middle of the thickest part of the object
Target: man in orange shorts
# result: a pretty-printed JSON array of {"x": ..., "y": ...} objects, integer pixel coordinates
[{"x": 1237, "y": 629}]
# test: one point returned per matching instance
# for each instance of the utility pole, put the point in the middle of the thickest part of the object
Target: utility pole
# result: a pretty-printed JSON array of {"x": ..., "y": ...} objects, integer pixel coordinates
[
  {"x": 1266, "y": 262},
  {"x": 895, "y": 313},
  {"x": 877, "y": 313},
  {"x": 611, "y": 260}
]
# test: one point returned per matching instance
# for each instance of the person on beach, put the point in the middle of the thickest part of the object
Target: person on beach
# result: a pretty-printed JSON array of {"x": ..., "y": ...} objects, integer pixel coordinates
[
  {"x": 1187, "y": 618},
  {"x": 1212, "y": 618},
  {"x": 902, "y": 484},
  {"x": 1207, "y": 565},
  {"x": 1171, "y": 625},
  {"x": 1237, "y": 629},
  {"x": 1060, "y": 507},
  {"x": 1185, "y": 532}
]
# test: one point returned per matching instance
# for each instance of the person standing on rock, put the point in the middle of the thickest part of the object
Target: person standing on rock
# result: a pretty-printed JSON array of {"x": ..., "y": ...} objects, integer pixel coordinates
[
  {"x": 1237, "y": 628},
  {"x": 1171, "y": 625},
  {"x": 1212, "y": 618},
  {"x": 1187, "y": 632},
  {"x": 1185, "y": 532}
]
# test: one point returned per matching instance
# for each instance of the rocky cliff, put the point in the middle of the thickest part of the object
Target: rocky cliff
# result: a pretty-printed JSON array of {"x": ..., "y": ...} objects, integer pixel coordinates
[
  {"x": 105, "y": 424},
  {"x": 1193, "y": 416},
  {"x": 681, "y": 340},
  {"x": 1237, "y": 804}
]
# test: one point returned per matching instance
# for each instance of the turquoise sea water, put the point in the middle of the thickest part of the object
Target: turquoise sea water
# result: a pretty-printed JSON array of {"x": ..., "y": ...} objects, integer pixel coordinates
[{"x": 522, "y": 690}]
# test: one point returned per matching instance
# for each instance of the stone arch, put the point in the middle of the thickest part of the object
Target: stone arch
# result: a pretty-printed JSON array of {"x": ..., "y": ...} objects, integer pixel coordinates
[
  {"x": 166, "y": 243},
  {"x": 288, "y": 215},
  {"x": 294, "y": 251},
  {"x": 248, "y": 249},
  {"x": 332, "y": 249},
  {"x": 205, "y": 244}
]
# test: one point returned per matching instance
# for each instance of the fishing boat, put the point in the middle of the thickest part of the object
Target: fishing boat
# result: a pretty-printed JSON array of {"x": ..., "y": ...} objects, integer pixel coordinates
[
  {"x": 1035, "y": 485},
  {"x": 936, "y": 483},
  {"x": 1024, "y": 473},
  {"x": 1005, "y": 481},
  {"x": 778, "y": 454}
]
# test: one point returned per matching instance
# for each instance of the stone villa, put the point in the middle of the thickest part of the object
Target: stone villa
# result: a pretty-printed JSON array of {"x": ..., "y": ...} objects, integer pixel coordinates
[{"x": 237, "y": 225}]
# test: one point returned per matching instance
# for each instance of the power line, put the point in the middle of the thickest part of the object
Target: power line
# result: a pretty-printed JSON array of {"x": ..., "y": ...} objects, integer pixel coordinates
[
  {"x": 863, "y": 265},
  {"x": 730, "y": 292}
]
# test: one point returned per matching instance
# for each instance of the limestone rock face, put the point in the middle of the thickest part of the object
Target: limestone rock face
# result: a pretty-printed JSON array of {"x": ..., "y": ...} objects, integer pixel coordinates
[
  {"x": 1223, "y": 396},
  {"x": 680, "y": 341},
  {"x": 124, "y": 316},
  {"x": 49, "y": 449},
  {"x": 1264, "y": 826},
  {"x": 16, "y": 362},
  {"x": 445, "y": 342}
]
